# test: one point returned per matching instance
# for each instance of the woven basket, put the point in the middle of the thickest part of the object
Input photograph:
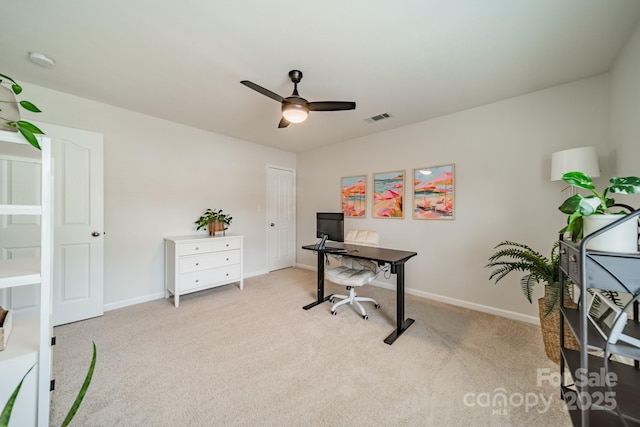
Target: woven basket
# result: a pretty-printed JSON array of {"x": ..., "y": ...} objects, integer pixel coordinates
[
  {"x": 215, "y": 226},
  {"x": 5, "y": 327},
  {"x": 550, "y": 327}
]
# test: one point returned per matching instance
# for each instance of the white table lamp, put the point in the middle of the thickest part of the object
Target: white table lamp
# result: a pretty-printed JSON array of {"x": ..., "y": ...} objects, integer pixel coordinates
[{"x": 583, "y": 159}]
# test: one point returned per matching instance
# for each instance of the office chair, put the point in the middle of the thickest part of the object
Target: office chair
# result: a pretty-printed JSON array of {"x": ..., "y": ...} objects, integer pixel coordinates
[{"x": 354, "y": 272}]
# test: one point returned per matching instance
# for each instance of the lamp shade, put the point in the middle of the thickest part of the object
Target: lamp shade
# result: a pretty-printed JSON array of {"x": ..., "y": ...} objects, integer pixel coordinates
[
  {"x": 583, "y": 159},
  {"x": 295, "y": 113}
]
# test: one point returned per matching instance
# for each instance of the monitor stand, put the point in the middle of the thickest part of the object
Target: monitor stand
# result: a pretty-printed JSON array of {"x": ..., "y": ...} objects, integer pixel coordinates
[{"x": 322, "y": 243}]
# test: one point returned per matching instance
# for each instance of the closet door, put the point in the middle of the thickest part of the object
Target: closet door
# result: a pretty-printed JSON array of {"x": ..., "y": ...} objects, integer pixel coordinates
[{"x": 281, "y": 217}]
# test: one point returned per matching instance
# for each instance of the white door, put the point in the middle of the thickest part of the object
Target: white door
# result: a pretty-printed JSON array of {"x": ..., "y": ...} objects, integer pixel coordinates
[
  {"x": 77, "y": 288},
  {"x": 78, "y": 269},
  {"x": 281, "y": 217}
]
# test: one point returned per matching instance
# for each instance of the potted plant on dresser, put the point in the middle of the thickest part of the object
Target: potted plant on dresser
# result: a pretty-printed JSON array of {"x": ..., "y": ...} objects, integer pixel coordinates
[
  {"x": 511, "y": 256},
  {"x": 214, "y": 221},
  {"x": 588, "y": 214}
]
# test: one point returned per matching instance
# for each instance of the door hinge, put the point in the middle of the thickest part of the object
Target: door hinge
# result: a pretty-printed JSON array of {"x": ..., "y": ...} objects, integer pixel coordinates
[
  {"x": 52, "y": 385},
  {"x": 53, "y": 340}
]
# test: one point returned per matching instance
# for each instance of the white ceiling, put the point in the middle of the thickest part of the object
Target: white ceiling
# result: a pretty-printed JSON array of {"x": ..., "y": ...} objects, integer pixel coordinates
[{"x": 414, "y": 59}]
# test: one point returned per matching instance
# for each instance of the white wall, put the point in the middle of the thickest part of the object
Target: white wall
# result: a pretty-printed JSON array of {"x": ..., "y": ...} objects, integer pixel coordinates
[
  {"x": 159, "y": 177},
  {"x": 503, "y": 190},
  {"x": 625, "y": 109}
]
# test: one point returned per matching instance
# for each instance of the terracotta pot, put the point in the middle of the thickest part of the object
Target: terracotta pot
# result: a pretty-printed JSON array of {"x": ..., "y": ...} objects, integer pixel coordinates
[{"x": 215, "y": 226}]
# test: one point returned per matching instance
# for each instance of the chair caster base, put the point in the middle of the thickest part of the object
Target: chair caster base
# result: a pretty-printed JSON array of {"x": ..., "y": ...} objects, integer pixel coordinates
[
  {"x": 377, "y": 306},
  {"x": 335, "y": 313}
]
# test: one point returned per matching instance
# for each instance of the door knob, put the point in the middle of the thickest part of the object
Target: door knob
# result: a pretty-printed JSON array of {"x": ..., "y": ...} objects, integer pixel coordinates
[{"x": 95, "y": 234}]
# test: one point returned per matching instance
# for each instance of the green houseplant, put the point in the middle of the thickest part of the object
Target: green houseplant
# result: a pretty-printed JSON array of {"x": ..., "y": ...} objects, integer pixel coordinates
[
  {"x": 512, "y": 256},
  {"x": 214, "y": 221},
  {"x": 596, "y": 203},
  {"x": 537, "y": 268},
  {"x": 8, "y": 107},
  {"x": 5, "y": 416}
]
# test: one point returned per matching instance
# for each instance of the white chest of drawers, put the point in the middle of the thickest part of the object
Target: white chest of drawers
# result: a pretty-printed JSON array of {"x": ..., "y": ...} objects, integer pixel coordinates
[{"x": 195, "y": 263}]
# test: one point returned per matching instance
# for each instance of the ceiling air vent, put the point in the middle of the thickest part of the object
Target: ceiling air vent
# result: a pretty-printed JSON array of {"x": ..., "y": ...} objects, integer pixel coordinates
[{"x": 377, "y": 118}]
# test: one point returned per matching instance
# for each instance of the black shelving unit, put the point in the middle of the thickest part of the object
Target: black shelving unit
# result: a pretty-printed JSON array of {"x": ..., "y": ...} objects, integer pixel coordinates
[{"x": 603, "y": 392}]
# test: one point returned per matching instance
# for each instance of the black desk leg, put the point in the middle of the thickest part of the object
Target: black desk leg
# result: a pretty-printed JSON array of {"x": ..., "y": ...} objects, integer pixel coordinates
[
  {"x": 402, "y": 324},
  {"x": 321, "y": 297}
]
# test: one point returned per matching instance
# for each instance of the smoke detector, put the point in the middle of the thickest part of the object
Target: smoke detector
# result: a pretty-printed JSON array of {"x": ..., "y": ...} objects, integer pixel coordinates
[{"x": 41, "y": 59}]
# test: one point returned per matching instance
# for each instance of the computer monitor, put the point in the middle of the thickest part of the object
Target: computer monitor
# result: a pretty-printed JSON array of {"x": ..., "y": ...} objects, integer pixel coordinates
[{"x": 329, "y": 226}]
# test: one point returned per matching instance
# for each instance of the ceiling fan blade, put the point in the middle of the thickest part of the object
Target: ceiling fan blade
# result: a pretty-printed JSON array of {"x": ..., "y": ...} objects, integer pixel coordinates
[
  {"x": 283, "y": 123},
  {"x": 262, "y": 90},
  {"x": 331, "y": 106}
]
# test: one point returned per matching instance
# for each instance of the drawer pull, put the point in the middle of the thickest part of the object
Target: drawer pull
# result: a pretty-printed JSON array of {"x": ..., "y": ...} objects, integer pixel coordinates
[
  {"x": 227, "y": 245},
  {"x": 197, "y": 263},
  {"x": 227, "y": 259},
  {"x": 197, "y": 280},
  {"x": 227, "y": 274},
  {"x": 573, "y": 258},
  {"x": 563, "y": 251},
  {"x": 197, "y": 248}
]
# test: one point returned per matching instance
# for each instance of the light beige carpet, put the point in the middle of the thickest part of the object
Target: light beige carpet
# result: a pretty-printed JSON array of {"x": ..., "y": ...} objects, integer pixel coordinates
[{"x": 227, "y": 357}]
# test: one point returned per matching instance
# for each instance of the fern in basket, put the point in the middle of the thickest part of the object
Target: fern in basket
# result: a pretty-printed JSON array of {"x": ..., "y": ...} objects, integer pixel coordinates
[{"x": 513, "y": 256}]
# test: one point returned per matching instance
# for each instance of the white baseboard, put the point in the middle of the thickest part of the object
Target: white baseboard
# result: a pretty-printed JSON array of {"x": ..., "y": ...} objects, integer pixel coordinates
[
  {"x": 422, "y": 294},
  {"x": 255, "y": 273},
  {"x": 477, "y": 307},
  {"x": 306, "y": 267},
  {"x": 452, "y": 301},
  {"x": 133, "y": 301},
  {"x": 159, "y": 295}
]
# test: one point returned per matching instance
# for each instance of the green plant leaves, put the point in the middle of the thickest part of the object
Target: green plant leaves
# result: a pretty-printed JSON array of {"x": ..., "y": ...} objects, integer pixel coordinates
[
  {"x": 577, "y": 203},
  {"x": 6, "y": 412},
  {"x": 578, "y": 206},
  {"x": 513, "y": 256},
  {"x": 30, "y": 127},
  {"x": 11, "y": 80},
  {"x": 628, "y": 185},
  {"x": 83, "y": 390},
  {"x": 29, "y": 106},
  {"x": 28, "y": 130},
  {"x": 575, "y": 225},
  {"x": 551, "y": 300},
  {"x": 578, "y": 179},
  {"x": 210, "y": 215}
]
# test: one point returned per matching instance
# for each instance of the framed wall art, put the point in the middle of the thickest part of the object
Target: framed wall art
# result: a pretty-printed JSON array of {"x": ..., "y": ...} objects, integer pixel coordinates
[
  {"x": 388, "y": 195},
  {"x": 433, "y": 192},
  {"x": 353, "y": 196}
]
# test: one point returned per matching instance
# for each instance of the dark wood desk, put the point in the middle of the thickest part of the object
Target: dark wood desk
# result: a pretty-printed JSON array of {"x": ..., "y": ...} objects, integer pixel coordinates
[{"x": 381, "y": 256}]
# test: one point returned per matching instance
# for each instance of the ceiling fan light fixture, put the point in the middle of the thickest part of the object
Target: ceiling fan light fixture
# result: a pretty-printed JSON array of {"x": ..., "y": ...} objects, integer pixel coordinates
[
  {"x": 295, "y": 113},
  {"x": 295, "y": 109}
]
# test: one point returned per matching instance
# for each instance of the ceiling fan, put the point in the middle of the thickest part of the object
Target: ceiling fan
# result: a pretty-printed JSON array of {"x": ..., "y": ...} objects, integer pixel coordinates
[{"x": 295, "y": 109}]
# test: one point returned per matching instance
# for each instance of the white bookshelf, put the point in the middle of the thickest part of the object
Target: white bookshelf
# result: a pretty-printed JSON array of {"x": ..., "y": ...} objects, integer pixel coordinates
[{"x": 29, "y": 343}]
